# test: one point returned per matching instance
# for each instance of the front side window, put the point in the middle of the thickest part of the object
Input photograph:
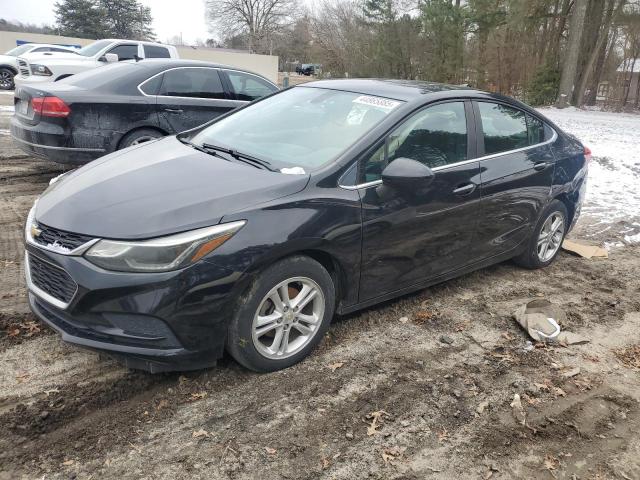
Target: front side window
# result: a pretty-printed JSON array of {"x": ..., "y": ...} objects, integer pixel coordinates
[
  {"x": 125, "y": 52},
  {"x": 249, "y": 87},
  {"x": 436, "y": 137},
  {"x": 505, "y": 128},
  {"x": 153, "y": 51},
  {"x": 192, "y": 82},
  {"x": 41, "y": 49},
  {"x": 303, "y": 127}
]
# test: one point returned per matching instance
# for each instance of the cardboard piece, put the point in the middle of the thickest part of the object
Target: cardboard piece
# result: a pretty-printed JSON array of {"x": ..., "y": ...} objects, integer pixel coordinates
[
  {"x": 583, "y": 249},
  {"x": 541, "y": 319}
]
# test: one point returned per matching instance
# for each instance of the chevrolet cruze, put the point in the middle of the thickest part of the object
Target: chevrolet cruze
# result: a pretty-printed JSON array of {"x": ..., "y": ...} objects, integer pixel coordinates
[{"x": 250, "y": 233}]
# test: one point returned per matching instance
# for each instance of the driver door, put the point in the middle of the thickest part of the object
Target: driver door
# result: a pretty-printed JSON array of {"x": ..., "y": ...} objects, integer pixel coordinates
[{"x": 412, "y": 236}]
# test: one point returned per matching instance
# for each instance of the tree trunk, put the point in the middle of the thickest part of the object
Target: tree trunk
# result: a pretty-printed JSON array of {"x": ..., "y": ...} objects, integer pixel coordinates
[{"x": 572, "y": 54}]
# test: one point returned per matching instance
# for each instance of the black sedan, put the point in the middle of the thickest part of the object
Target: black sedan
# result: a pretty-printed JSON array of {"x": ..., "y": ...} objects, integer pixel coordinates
[
  {"x": 250, "y": 233},
  {"x": 90, "y": 114}
]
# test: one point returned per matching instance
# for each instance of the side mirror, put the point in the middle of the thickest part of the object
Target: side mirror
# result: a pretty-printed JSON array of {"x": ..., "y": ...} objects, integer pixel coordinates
[
  {"x": 110, "y": 57},
  {"x": 407, "y": 173}
]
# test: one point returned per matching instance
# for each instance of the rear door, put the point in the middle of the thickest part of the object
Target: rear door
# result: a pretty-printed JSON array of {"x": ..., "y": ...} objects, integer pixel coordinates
[
  {"x": 191, "y": 96},
  {"x": 411, "y": 236},
  {"x": 517, "y": 172}
]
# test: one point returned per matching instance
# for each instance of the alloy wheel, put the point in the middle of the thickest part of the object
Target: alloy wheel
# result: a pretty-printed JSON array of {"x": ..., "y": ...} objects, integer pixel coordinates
[
  {"x": 288, "y": 318},
  {"x": 550, "y": 237},
  {"x": 142, "y": 139},
  {"x": 6, "y": 80}
]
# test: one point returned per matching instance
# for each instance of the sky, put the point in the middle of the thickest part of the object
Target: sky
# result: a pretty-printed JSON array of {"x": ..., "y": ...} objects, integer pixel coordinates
[{"x": 170, "y": 18}]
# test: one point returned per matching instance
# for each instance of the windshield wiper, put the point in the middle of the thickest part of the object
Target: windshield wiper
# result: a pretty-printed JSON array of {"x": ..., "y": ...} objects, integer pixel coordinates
[
  {"x": 206, "y": 150},
  {"x": 243, "y": 157}
]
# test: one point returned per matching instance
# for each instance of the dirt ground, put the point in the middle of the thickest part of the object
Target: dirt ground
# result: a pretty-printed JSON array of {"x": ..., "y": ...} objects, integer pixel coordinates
[{"x": 416, "y": 388}]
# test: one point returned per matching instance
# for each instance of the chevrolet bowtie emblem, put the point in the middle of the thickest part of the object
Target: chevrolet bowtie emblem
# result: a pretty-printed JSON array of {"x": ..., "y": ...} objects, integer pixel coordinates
[{"x": 35, "y": 231}]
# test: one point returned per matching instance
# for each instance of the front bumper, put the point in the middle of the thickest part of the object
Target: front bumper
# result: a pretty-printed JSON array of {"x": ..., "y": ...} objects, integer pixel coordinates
[
  {"x": 155, "y": 322},
  {"x": 51, "y": 141}
]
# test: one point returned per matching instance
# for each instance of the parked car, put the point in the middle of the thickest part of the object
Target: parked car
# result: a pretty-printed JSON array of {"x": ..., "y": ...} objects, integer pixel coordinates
[
  {"x": 251, "y": 232},
  {"x": 9, "y": 61},
  {"x": 36, "y": 69},
  {"x": 307, "y": 69},
  {"x": 97, "y": 112}
]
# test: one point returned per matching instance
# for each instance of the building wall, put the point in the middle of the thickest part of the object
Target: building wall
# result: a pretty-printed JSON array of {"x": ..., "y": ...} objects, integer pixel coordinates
[{"x": 266, "y": 65}]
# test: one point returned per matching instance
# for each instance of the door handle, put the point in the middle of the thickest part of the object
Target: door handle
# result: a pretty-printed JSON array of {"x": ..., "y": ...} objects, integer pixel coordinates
[
  {"x": 173, "y": 110},
  {"x": 465, "y": 189},
  {"x": 540, "y": 166}
]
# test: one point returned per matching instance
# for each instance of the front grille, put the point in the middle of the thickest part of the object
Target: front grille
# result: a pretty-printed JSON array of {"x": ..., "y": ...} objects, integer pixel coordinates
[
  {"x": 51, "y": 279},
  {"x": 24, "y": 68},
  {"x": 50, "y": 236}
]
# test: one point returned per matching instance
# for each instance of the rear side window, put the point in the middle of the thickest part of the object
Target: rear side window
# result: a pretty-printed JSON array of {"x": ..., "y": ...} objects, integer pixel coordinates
[
  {"x": 505, "y": 128},
  {"x": 153, "y": 51},
  {"x": 152, "y": 86},
  {"x": 249, "y": 87},
  {"x": 125, "y": 52},
  {"x": 192, "y": 82},
  {"x": 535, "y": 128}
]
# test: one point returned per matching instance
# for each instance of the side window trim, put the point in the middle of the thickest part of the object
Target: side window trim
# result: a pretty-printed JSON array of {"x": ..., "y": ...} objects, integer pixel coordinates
[
  {"x": 189, "y": 98},
  {"x": 480, "y": 132}
]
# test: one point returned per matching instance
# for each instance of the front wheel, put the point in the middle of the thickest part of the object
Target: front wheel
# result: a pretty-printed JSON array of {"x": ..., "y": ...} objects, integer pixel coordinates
[
  {"x": 283, "y": 316},
  {"x": 547, "y": 237},
  {"x": 6, "y": 79}
]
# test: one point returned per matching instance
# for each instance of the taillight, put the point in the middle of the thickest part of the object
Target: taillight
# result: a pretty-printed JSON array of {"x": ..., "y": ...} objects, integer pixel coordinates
[
  {"x": 50, "y": 107},
  {"x": 587, "y": 154}
]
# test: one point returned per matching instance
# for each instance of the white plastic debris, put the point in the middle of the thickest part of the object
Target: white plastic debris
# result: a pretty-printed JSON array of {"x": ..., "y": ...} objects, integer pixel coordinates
[{"x": 293, "y": 171}]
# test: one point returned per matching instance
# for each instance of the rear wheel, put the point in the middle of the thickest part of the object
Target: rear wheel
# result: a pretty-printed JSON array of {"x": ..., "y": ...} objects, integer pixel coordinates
[
  {"x": 139, "y": 136},
  {"x": 6, "y": 79},
  {"x": 283, "y": 316},
  {"x": 547, "y": 237}
]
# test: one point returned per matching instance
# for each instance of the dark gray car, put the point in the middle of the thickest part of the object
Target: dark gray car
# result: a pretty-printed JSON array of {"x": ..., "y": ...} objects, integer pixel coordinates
[{"x": 90, "y": 114}]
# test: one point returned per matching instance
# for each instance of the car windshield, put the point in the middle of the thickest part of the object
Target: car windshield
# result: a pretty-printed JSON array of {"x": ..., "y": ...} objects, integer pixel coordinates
[
  {"x": 93, "y": 48},
  {"x": 303, "y": 127},
  {"x": 14, "y": 52}
]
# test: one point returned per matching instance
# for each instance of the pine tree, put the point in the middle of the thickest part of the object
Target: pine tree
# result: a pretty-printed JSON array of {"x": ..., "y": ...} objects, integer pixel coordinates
[{"x": 80, "y": 18}]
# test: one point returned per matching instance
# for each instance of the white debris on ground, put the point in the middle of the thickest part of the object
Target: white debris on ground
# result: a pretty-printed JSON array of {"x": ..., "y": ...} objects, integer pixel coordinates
[{"x": 612, "y": 205}]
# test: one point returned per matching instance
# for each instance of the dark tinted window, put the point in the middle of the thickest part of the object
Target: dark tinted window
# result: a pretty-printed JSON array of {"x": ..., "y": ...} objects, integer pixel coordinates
[
  {"x": 151, "y": 87},
  {"x": 436, "y": 136},
  {"x": 536, "y": 130},
  {"x": 62, "y": 50},
  {"x": 40, "y": 49},
  {"x": 249, "y": 87},
  {"x": 504, "y": 128},
  {"x": 152, "y": 51},
  {"x": 192, "y": 82},
  {"x": 125, "y": 52}
]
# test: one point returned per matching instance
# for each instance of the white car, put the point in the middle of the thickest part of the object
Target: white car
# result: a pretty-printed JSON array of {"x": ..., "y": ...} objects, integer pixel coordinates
[
  {"x": 47, "y": 68},
  {"x": 9, "y": 61}
]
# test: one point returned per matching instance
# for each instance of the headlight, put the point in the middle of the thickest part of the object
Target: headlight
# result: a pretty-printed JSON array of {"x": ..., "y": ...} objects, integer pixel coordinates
[
  {"x": 161, "y": 254},
  {"x": 40, "y": 70}
]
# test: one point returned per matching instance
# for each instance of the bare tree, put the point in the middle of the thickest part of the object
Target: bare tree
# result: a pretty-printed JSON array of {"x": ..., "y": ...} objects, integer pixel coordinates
[
  {"x": 255, "y": 19},
  {"x": 572, "y": 54}
]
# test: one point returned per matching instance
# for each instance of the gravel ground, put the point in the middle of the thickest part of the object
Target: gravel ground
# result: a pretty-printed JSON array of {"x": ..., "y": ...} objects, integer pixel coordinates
[{"x": 416, "y": 388}]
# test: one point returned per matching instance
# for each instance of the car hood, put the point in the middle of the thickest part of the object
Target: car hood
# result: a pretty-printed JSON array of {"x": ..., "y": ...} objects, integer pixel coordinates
[
  {"x": 56, "y": 58},
  {"x": 8, "y": 60},
  {"x": 156, "y": 189}
]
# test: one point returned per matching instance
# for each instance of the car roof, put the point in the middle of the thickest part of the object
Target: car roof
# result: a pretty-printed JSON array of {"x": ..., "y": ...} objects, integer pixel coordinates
[
  {"x": 406, "y": 90},
  {"x": 161, "y": 63}
]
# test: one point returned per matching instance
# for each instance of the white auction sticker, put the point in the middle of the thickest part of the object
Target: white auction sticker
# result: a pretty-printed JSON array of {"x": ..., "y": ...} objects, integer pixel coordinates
[{"x": 383, "y": 103}]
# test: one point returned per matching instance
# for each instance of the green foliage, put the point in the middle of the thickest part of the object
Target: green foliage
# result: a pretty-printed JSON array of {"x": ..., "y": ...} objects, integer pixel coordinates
[
  {"x": 104, "y": 19},
  {"x": 543, "y": 88},
  {"x": 80, "y": 18}
]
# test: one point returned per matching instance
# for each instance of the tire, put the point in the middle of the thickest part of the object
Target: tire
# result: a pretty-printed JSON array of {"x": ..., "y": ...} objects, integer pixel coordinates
[
  {"x": 253, "y": 341},
  {"x": 139, "y": 136},
  {"x": 6, "y": 79},
  {"x": 535, "y": 256}
]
